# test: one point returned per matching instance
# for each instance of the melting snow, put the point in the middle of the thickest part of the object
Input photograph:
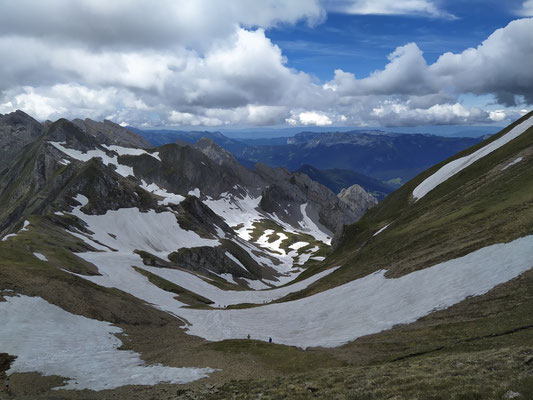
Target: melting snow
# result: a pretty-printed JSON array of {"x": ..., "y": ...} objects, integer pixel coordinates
[
  {"x": 512, "y": 163},
  {"x": 455, "y": 166},
  {"x": 24, "y": 228},
  {"x": 52, "y": 341},
  {"x": 381, "y": 230},
  {"x": 274, "y": 247},
  {"x": 370, "y": 304},
  {"x": 236, "y": 211},
  {"x": 40, "y": 256},
  {"x": 168, "y": 197},
  {"x": 316, "y": 230},
  {"x": 129, "y": 151},
  {"x": 121, "y": 169}
]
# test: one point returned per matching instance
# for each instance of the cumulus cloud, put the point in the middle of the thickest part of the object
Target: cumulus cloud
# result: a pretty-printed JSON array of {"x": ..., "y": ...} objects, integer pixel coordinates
[
  {"x": 145, "y": 23},
  {"x": 309, "y": 118},
  {"x": 210, "y": 63},
  {"x": 406, "y": 73},
  {"x": 500, "y": 65}
]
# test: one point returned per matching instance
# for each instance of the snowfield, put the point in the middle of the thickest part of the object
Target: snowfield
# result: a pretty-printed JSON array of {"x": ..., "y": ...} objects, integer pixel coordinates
[
  {"x": 128, "y": 229},
  {"x": 331, "y": 318},
  {"x": 52, "y": 341},
  {"x": 370, "y": 304},
  {"x": 455, "y": 166},
  {"x": 116, "y": 271}
]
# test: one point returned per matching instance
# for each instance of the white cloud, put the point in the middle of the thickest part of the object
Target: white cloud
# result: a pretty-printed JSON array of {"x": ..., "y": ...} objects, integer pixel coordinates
[
  {"x": 210, "y": 63},
  {"x": 527, "y": 9},
  {"x": 147, "y": 23},
  {"x": 500, "y": 65},
  {"x": 388, "y": 7},
  {"x": 406, "y": 73},
  {"x": 309, "y": 118}
]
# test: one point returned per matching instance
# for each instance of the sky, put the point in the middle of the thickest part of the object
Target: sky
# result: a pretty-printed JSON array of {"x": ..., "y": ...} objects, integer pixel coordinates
[{"x": 213, "y": 64}]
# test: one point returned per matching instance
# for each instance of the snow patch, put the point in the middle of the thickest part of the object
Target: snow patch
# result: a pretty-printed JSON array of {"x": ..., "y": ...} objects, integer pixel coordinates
[
  {"x": 52, "y": 341},
  {"x": 129, "y": 151},
  {"x": 167, "y": 196},
  {"x": 149, "y": 231},
  {"x": 24, "y": 228},
  {"x": 235, "y": 260},
  {"x": 381, "y": 230},
  {"x": 316, "y": 230},
  {"x": 370, "y": 304},
  {"x": 512, "y": 163},
  {"x": 121, "y": 169},
  {"x": 40, "y": 256},
  {"x": 455, "y": 166},
  {"x": 195, "y": 192}
]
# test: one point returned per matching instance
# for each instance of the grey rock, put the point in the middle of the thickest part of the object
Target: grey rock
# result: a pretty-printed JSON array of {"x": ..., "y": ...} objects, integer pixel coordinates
[
  {"x": 357, "y": 199},
  {"x": 109, "y": 133},
  {"x": 17, "y": 130}
]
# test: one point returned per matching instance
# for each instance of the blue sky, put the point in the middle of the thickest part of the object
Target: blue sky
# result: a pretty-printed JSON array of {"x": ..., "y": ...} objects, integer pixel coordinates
[
  {"x": 361, "y": 43},
  {"x": 210, "y": 64}
]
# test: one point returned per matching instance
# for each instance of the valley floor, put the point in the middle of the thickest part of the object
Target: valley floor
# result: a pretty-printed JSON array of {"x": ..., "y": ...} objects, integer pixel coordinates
[{"x": 476, "y": 349}]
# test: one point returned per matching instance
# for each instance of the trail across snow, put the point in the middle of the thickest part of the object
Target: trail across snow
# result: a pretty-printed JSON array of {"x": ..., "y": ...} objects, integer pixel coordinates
[{"x": 455, "y": 166}]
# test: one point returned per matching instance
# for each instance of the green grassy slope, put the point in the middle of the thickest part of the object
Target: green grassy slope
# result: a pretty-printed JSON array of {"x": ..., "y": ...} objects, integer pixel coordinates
[{"x": 477, "y": 207}]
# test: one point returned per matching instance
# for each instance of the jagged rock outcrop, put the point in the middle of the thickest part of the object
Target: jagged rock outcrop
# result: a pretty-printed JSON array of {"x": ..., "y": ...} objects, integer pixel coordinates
[
  {"x": 225, "y": 159},
  {"x": 17, "y": 130},
  {"x": 109, "y": 133},
  {"x": 357, "y": 199}
]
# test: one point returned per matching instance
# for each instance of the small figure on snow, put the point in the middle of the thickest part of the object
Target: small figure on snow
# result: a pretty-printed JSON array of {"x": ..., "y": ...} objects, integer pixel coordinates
[
  {"x": 269, "y": 340},
  {"x": 6, "y": 383}
]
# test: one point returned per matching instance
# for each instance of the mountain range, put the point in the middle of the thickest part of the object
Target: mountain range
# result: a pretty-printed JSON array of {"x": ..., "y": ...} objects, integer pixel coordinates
[
  {"x": 389, "y": 157},
  {"x": 176, "y": 272}
]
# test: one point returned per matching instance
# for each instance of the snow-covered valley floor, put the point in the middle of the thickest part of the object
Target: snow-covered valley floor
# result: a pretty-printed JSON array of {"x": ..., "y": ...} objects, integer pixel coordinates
[{"x": 333, "y": 317}]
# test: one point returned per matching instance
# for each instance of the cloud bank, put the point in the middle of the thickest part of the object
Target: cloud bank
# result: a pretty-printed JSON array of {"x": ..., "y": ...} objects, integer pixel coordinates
[{"x": 210, "y": 63}]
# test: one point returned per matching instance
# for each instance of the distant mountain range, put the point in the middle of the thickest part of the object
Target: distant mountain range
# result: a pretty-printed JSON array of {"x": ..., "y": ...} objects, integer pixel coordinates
[{"x": 360, "y": 157}]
